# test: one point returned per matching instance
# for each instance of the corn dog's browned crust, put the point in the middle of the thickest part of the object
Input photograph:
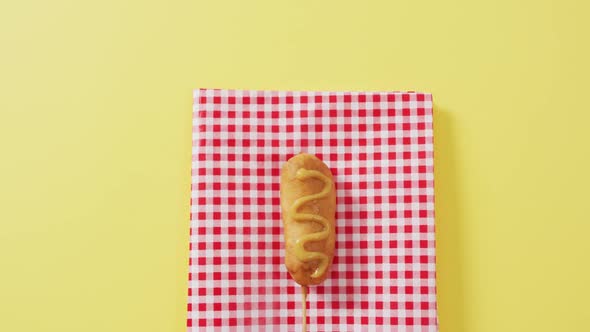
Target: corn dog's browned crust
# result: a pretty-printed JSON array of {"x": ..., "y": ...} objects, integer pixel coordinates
[{"x": 308, "y": 204}]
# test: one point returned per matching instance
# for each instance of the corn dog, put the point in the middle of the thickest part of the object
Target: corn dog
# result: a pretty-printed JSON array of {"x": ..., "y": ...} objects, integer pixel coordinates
[{"x": 308, "y": 204}]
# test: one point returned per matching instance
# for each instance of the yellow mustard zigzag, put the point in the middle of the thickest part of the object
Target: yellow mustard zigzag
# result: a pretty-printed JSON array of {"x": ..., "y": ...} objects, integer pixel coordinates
[{"x": 300, "y": 252}]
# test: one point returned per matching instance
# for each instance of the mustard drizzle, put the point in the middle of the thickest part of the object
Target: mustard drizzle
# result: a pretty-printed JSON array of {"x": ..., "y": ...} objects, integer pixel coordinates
[{"x": 300, "y": 252}]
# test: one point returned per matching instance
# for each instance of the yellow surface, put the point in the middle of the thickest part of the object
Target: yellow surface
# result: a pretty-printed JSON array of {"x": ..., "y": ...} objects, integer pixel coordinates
[{"x": 95, "y": 121}]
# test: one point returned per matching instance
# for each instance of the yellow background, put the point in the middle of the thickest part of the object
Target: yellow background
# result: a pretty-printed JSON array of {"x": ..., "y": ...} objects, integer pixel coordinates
[{"x": 95, "y": 134}]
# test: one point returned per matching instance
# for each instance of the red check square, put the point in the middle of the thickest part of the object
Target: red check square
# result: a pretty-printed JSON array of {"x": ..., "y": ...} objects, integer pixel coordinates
[{"x": 379, "y": 146}]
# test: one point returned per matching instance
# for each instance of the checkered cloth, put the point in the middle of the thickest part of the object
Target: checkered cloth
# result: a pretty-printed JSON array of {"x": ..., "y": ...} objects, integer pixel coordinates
[{"x": 379, "y": 148}]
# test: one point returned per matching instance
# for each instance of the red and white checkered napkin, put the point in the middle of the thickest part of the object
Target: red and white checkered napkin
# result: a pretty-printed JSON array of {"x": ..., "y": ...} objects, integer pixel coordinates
[{"x": 379, "y": 148}]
